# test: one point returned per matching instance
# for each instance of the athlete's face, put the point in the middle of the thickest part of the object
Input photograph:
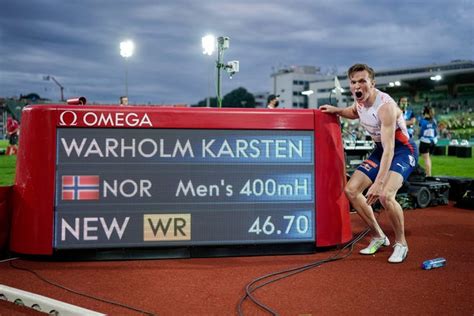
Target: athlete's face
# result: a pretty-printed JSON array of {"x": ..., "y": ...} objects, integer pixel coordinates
[{"x": 361, "y": 85}]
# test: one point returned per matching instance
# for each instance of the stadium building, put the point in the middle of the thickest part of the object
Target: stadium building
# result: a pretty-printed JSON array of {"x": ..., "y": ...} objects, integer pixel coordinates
[
  {"x": 290, "y": 82},
  {"x": 443, "y": 86}
]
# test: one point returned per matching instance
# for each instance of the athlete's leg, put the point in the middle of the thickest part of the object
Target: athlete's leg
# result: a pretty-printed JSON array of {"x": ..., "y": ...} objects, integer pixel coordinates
[
  {"x": 394, "y": 210},
  {"x": 427, "y": 159},
  {"x": 354, "y": 189}
]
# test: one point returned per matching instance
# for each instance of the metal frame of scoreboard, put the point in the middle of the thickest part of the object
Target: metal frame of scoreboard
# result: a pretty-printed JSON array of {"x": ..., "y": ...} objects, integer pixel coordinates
[{"x": 36, "y": 201}]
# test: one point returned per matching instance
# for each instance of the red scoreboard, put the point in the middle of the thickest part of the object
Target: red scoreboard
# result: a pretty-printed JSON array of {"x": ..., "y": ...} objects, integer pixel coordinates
[{"x": 114, "y": 177}]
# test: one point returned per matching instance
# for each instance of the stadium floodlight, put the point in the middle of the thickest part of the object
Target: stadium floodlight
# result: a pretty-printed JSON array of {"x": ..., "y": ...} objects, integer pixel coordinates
[
  {"x": 126, "y": 51},
  {"x": 436, "y": 78},
  {"x": 126, "y": 48},
  {"x": 208, "y": 44}
]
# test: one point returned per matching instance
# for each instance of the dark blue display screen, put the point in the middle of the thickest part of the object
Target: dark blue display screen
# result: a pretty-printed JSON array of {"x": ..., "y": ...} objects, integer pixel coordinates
[{"x": 162, "y": 187}]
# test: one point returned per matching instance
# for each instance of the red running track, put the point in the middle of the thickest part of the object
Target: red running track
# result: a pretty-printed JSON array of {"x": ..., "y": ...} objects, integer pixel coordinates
[{"x": 357, "y": 285}]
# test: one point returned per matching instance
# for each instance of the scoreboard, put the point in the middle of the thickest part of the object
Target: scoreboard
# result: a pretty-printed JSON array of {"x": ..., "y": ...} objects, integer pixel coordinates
[{"x": 104, "y": 177}]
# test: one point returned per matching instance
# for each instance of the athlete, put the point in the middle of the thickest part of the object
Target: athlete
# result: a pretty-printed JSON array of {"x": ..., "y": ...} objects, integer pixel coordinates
[{"x": 393, "y": 159}]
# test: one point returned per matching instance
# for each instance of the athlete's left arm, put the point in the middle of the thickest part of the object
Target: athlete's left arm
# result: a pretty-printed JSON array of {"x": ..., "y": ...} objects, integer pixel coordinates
[{"x": 388, "y": 117}]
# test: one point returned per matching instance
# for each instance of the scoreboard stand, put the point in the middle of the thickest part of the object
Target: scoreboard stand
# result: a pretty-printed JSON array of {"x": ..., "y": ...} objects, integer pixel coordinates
[{"x": 120, "y": 182}]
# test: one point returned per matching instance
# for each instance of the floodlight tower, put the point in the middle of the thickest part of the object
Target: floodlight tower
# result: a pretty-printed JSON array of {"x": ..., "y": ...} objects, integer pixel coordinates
[
  {"x": 232, "y": 67},
  {"x": 126, "y": 51},
  {"x": 208, "y": 46},
  {"x": 222, "y": 44}
]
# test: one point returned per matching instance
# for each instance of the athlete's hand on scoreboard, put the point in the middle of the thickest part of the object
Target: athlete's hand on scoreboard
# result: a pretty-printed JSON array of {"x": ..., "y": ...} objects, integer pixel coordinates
[{"x": 326, "y": 108}]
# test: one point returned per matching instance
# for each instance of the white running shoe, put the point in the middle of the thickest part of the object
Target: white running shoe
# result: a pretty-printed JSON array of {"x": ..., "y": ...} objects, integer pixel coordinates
[
  {"x": 375, "y": 244},
  {"x": 399, "y": 253}
]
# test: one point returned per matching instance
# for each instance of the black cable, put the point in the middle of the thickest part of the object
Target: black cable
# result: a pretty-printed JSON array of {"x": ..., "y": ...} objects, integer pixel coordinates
[
  {"x": 301, "y": 269},
  {"x": 314, "y": 264},
  {"x": 292, "y": 271},
  {"x": 80, "y": 293}
]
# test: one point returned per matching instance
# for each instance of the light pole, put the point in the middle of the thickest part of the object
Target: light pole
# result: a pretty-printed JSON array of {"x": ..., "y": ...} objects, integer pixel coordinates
[
  {"x": 307, "y": 93},
  {"x": 126, "y": 50},
  {"x": 232, "y": 67},
  {"x": 222, "y": 44},
  {"x": 47, "y": 78}
]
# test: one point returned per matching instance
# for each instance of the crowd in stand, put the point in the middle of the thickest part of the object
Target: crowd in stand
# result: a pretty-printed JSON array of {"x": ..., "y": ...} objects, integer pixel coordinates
[{"x": 455, "y": 120}]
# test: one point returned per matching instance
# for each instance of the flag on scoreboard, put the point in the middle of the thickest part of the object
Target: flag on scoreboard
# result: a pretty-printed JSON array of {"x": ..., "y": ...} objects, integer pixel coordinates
[{"x": 80, "y": 187}]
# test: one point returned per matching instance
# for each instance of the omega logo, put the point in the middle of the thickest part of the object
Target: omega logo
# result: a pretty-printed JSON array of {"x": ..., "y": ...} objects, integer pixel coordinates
[{"x": 70, "y": 118}]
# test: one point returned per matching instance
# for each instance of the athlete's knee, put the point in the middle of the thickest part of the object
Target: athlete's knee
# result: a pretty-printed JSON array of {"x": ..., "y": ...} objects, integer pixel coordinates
[
  {"x": 387, "y": 198},
  {"x": 351, "y": 191}
]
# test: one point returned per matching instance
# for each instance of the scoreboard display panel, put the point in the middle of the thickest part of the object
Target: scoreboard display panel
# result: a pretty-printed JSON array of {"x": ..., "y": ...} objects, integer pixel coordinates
[
  {"x": 112, "y": 177},
  {"x": 151, "y": 187}
]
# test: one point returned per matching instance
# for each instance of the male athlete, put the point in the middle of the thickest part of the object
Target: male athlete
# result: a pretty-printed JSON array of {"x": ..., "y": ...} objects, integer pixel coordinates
[{"x": 391, "y": 162}]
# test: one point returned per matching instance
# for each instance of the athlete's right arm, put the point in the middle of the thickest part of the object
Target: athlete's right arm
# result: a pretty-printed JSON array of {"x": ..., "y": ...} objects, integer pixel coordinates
[{"x": 349, "y": 112}]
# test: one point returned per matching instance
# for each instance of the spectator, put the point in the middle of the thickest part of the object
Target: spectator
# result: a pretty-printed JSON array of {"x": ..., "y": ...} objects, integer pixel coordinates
[
  {"x": 123, "y": 100},
  {"x": 443, "y": 130},
  {"x": 408, "y": 115},
  {"x": 273, "y": 101},
  {"x": 428, "y": 137},
  {"x": 13, "y": 129}
]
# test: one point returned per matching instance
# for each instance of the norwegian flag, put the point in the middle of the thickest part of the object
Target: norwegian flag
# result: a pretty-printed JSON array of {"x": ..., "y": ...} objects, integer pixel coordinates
[{"x": 80, "y": 187}]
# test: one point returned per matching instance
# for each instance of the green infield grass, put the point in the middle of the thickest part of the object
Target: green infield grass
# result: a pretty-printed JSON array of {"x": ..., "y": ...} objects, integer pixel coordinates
[
  {"x": 7, "y": 166},
  {"x": 451, "y": 166}
]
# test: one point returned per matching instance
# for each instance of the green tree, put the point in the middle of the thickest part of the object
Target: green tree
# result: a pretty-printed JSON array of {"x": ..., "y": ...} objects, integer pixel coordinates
[{"x": 239, "y": 98}]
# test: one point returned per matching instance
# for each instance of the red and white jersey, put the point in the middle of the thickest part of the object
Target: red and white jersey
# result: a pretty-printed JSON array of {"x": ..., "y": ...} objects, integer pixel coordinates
[
  {"x": 370, "y": 120},
  {"x": 12, "y": 126}
]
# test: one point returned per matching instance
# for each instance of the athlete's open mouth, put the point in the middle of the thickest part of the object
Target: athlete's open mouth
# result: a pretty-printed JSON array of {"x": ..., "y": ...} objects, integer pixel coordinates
[{"x": 358, "y": 94}]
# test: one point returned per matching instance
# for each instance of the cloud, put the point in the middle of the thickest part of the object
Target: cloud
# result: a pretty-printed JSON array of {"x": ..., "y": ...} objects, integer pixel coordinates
[{"x": 78, "y": 42}]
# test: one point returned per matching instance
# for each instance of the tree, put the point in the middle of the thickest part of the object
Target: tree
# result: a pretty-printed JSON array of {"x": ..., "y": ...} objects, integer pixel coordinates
[{"x": 239, "y": 98}]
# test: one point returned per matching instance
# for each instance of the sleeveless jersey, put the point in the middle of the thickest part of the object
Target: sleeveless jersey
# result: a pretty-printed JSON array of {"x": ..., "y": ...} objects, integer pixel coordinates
[{"x": 370, "y": 120}]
